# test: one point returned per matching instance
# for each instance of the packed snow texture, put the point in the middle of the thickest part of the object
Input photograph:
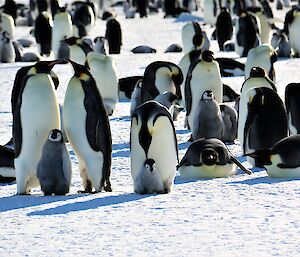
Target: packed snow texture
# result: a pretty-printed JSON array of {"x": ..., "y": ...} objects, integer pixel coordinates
[{"x": 238, "y": 216}]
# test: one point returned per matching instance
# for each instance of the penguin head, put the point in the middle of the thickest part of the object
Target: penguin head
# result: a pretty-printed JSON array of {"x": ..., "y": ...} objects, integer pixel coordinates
[
  {"x": 44, "y": 66},
  {"x": 207, "y": 56},
  {"x": 257, "y": 72},
  {"x": 208, "y": 95},
  {"x": 55, "y": 136},
  {"x": 209, "y": 156},
  {"x": 149, "y": 165},
  {"x": 5, "y": 37},
  {"x": 80, "y": 71},
  {"x": 198, "y": 38}
]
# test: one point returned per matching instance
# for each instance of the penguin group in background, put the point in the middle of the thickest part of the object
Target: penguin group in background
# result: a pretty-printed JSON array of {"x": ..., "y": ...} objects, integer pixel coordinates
[
  {"x": 103, "y": 69},
  {"x": 224, "y": 28},
  {"x": 7, "y": 50},
  {"x": 113, "y": 35},
  {"x": 35, "y": 113},
  {"x": 7, "y": 168},
  {"x": 88, "y": 130},
  {"x": 292, "y": 103},
  {"x": 209, "y": 158},
  {"x": 263, "y": 56},
  {"x": 54, "y": 169},
  {"x": 152, "y": 136},
  {"x": 43, "y": 32}
]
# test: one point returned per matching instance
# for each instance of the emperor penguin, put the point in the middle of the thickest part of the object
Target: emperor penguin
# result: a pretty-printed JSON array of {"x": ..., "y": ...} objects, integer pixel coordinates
[
  {"x": 266, "y": 121},
  {"x": 203, "y": 75},
  {"x": 113, "y": 34},
  {"x": 43, "y": 32},
  {"x": 224, "y": 27},
  {"x": 263, "y": 56},
  {"x": 292, "y": 103},
  {"x": 210, "y": 12},
  {"x": 281, "y": 44},
  {"x": 84, "y": 15},
  {"x": 35, "y": 113},
  {"x": 258, "y": 78},
  {"x": 207, "y": 122},
  {"x": 79, "y": 49},
  {"x": 209, "y": 158},
  {"x": 7, "y": 50},
  {"x": 62, "y": 29},
  {"x": 161, "y": 76},
  {"x": 292, "y": 27},
  {"x": 152, "y": 136},
  {"x": 100, "y": 45},
  {"x": 88, "y": 130},
  {"x": 103, "y": 69},
  {"x": 7, "y": 168},
  {"x": 136, "y": 97},
  {"x": 7, "y": 24},
  {"x": 282, "y": 160},
  {"x": 54, "y": 169},
  {"x": 148, "y": 180},
  {"x": 230, "y": 122},
  {"x": 10, "y": 8}
]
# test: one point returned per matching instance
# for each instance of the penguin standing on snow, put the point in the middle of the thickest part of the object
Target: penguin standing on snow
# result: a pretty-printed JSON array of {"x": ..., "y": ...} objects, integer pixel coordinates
[
  {"x": 224, "y": 28},
  {"x": 84, "y": 15},
  {"x": 43, "y": 32},
  {"x": 113, "y": 35},
  {"x": 292, "y": 103},
  {"x": 88, "y": 130},
  {"x": 35, "y": 113},
  {"x": 153, "y": 136},
  {"x": 54, "y": 169}
]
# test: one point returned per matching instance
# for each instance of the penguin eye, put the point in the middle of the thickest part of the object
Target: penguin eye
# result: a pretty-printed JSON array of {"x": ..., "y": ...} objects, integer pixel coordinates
[{"x": 147, "y": 167}]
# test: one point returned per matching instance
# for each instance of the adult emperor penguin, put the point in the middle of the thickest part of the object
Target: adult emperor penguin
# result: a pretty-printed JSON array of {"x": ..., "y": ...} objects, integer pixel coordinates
[
  {"x": 282, "y": 160},
  {"x": 292, "y": 103},
  {"x": 35, "y": 113},
  {"x": 263, "y": 56},
  {"x": 103, "y": 69},
  {"x": 224, "y": 29},
  {"x": 159, "y": 77},
  {"x": 292, "y": 27},
  {"x": 79, "y": 49},
  {"x": 54, "y": 169},
  {"x": 7, "y": 24},
  {"x": 7, "y": 168},
  {"x": 266, "y": 121},
  {"x": 88, "y": 129},
  {"x": 153, "y": 136},
  {"x": 257, "y": 79},
  {"x": 207, "y": 122},
  {"x": 209, "y": 158},
  {"x": 84, "y": 15},
  {"x": 203, "y": 75},
  {"x": 62, "y": 29},
  {"x": 148, "y": 180},
  {"x": 43, "y": 32},
  {"x": 210, "y": 11},
  {"x": 7, "y": 50},
  {"x": 113, "y": 34}
]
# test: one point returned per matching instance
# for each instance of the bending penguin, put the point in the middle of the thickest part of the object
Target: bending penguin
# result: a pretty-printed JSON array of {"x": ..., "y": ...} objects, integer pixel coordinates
[
  {"x": 88, "y": 129},
  {"x": 35, "y": 113},
  {"x": 54, "y": 169},
  {"x": 209, "y": 158},
  {"x": 153, "y": 136}
]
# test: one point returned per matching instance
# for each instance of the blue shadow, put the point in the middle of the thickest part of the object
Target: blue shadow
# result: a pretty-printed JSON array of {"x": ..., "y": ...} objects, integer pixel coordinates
[{"x": 263, "y": 180}]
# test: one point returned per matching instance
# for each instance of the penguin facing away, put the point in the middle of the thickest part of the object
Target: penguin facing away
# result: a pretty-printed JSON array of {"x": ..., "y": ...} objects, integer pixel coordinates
[
  {"x": 209, "y": 158},
  {"x": 224, "y": 28},
  {"x": 153, "y": 136},
  {"x": 88, "y": 129},
  {"x": 7, "y": 168},
  {"x": 54, "y": 169},
  {"x": 35, "y": 113},
  {"x": 292, "y": 103},
  {"x": 113, "y": 35},
  {"x": 43, "y": 32},
  {"x": 148, "y": 180}
]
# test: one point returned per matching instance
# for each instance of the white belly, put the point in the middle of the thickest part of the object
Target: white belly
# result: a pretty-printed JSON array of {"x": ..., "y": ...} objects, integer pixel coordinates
[
  {"x": 77, "y": 55},
  {"x": 294, "y": 35}
]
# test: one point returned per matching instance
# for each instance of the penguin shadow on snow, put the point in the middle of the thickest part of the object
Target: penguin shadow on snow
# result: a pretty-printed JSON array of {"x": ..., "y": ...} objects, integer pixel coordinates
[
  {"x": 91, "y": 204},
  {"x": 263, "y": 180},
  {"x": 121, "y": 119},
  {"x": 121, "y": 150},
  {"x": 19, "y": 202}
]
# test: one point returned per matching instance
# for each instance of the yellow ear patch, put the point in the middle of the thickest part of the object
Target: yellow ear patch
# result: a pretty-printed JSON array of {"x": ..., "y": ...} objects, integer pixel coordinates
[
  {"x": 84, "y": 76},
  {"x": 32, "y": 71}
]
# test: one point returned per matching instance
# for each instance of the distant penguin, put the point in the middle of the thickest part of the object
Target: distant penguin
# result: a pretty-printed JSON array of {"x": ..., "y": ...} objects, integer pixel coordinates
[
  {"x": 103, "y": 69},
  {"x": 257, "y": 79},
  {"x": 210, "y": 12},
  {"x": 62, "y": 29},
  {"x": 84, "y": 15},
  {"x": 159, "y": 77},
  {"x": 281, "y": 44},
  {"x": 207, "y": 121},
  {"x": 7, "y": 24},
  {"x": 247, "y": 33},
  {"x": 142, "y": 8},
  {"x": 148, "y": 180},
  {"x": 35, "y": 113},
  {"x": 143, "y": 49},
  {"x": 18, "y": 51},
  {"x": 88, "y": 130},
  {"x": 63, "y": 52},
  {"x": 127, "y": 85},
  {"x": 7, "y": 50},
  {"x": 209, "y": 158},
  {"x": 174, "y": 48},
  {"x": 230, "y": 67},
  {"x": 263, "y": 56},
  {"x": 282, "y": 160},
  {"x": 79, "y": 50},
  {"x": 10, "y": 8},
  {"x": 266, "y": 121},
  {"x": 7, "y": 168},
  {"x": 136, "y": 97},
  {"x": 100, "y": 45},
  {"x": 224, "y": 28},
  {"x": 113, "y": 35},
  {"x": 153, "y": 136},
  {"x": 43, "y": 32},
  {"x": 54, "y": 170},
  {"x": 230, "y": 122},
  {"x": 292, "y": 27},
  {"x": 206, "y": 73},
  {"x": 128, "y": 11},
  {"x": 292, "y": 103}
]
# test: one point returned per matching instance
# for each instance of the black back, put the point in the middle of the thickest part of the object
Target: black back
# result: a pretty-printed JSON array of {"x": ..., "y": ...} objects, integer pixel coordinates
[
  {"x": 113, "y": 35},
  {"x": 43, "y": 33},
  {"x": 127, "y": 84},
  {"x": 292, "y": 103},
  {"x": 224, "y": 28}
]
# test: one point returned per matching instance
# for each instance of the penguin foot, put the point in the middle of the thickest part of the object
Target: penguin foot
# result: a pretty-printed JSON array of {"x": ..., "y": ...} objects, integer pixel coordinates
[
  {"x": 107, "y": 188},
  {"x": 23, "y": 194}
]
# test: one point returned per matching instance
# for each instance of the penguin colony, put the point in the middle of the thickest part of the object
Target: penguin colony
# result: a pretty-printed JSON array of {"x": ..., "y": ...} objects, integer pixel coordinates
[{"x": 266, "y": 127}]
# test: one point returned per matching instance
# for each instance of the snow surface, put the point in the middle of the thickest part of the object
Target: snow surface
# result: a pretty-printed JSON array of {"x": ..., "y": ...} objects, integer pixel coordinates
[{"x": 238, "y": 216}]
